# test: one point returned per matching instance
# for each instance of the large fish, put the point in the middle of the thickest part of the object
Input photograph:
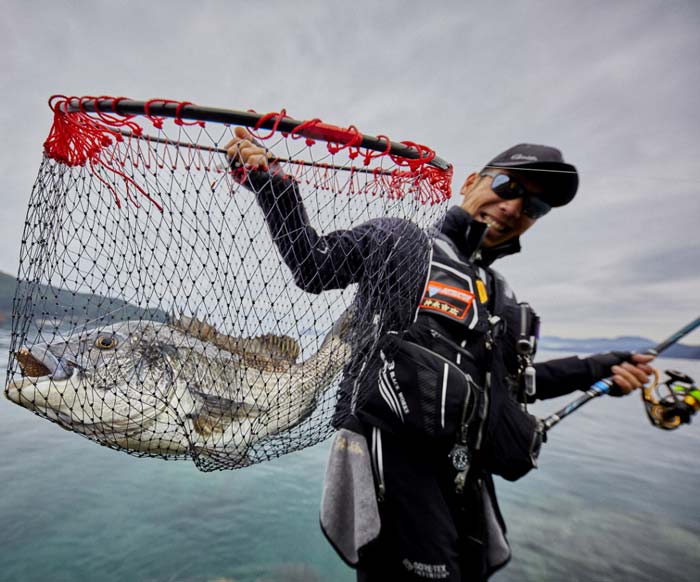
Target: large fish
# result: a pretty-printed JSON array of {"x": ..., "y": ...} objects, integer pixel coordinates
[{"x": 176, "y": 389}]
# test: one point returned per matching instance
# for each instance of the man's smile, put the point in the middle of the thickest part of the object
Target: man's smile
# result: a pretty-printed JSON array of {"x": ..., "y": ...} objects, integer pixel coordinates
[{"x": 493, "y": 223}]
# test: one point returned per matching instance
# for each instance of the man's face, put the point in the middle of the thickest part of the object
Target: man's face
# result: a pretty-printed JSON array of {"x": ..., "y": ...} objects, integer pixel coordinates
[{"x": 504, "y": 217}]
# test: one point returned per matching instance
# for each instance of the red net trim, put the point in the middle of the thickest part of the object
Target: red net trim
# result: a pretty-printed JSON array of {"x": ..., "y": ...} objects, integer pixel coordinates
[
  {"x": 77, "y": 138},
  {"x": 80, "y": 137}
]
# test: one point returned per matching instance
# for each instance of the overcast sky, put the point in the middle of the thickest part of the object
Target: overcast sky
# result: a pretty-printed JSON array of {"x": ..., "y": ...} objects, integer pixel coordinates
[{"x": 614, "y": 84}]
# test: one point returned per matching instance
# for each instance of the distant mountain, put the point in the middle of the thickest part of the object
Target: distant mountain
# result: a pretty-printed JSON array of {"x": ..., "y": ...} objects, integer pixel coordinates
[
  {"x": 84, "y": 306},
  {"x": 64, "y": 305},
  {"x": 8, "y": 283},
  {"x": 624, "y": 343}
]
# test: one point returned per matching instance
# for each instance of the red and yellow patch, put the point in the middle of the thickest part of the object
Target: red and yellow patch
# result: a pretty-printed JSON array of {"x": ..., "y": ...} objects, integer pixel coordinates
[{"x": 451, "y": 301}]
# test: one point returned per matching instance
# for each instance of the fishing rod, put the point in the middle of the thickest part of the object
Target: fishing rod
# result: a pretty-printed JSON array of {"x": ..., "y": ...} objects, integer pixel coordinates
[{"x": 603, "y": 386}]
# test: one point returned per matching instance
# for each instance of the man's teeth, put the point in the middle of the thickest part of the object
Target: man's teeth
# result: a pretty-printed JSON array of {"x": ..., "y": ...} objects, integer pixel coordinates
[{"x": 493, "y": 223}]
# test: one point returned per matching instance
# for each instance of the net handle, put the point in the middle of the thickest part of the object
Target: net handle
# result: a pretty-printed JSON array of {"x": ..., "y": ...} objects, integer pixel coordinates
[{"x": 317, "y": 130}]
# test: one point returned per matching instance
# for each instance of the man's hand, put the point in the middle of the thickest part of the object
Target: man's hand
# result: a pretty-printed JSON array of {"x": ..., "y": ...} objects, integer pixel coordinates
[
  {"x": 629, "y": 376},
  {"x": 243, "y": 150}
]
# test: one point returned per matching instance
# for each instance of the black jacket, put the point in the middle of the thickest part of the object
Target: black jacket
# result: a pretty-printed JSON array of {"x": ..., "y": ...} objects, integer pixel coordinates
[{"x": 388, "y": 260}]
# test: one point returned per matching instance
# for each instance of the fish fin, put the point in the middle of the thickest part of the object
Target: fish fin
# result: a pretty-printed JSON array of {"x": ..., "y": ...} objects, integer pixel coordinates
[
  {"x": 195, "y": 328},
  {"x": 206, "y": 425},
  {"x": 260, "y": 351},
  {"x": 220, "y": 403},
  {"x": 217, "y": 412}
]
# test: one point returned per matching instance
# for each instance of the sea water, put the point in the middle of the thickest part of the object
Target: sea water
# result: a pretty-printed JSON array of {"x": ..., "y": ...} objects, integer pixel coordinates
[{"x": 613, "y": 499}]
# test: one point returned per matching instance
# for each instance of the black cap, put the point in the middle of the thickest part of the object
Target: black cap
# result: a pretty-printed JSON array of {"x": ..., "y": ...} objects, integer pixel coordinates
[{"x": 560, "y": 182}]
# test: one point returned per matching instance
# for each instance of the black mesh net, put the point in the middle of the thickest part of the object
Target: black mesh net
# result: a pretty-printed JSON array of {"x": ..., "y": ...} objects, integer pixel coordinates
[{"x": 158, "y": 310}]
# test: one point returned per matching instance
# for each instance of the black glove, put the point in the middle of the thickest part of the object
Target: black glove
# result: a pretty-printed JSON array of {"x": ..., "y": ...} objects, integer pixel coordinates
[{"x": 601, "y": 367}]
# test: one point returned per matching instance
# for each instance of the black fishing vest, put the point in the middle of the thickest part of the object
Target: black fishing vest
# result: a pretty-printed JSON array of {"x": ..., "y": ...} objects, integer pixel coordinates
[{"x": 453, "y": 375}]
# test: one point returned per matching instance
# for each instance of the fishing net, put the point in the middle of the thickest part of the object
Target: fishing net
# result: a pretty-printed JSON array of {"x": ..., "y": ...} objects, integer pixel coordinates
[{"x": 157, "y": 311}]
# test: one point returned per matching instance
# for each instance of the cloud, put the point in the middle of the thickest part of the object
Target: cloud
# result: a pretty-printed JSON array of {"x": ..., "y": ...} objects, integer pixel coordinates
[{"x": 614, "y": 85}]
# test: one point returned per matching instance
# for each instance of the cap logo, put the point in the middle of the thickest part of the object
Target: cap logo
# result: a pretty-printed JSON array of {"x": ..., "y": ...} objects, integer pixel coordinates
[{"x": 523, "y": 157}]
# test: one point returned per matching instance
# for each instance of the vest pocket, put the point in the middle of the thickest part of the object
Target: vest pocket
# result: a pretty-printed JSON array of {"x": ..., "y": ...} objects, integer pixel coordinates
[
  {"x": 422, "y": 392},
  {"x": 513, "y": 442}
]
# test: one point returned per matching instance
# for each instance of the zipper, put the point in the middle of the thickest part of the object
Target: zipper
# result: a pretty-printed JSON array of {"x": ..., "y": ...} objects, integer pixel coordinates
[
  {"x": 483, "y": 413},
  {"x": 461, "y": 350},
  {"x": 355, "y": 390},
  {"x": 378, "y": 462},
  {"x": 464, "y": 424},
  {"x": 432, "y": 353},
  {"x": 460, "y": 454},
  {"x": 458, "y": 359}
]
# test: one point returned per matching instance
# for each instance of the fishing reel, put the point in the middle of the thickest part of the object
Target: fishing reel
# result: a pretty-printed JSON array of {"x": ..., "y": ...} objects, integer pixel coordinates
[{"x": 672, "y": 403}]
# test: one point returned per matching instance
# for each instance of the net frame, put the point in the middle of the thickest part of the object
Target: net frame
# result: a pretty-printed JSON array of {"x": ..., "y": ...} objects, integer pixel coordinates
[
  {"x": 184, "y": 112},
  {"x": 86, "y": 137}
]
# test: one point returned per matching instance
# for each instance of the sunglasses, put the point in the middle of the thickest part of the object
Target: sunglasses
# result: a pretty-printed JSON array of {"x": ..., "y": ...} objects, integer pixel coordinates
[{"x": 509, "y": 189}]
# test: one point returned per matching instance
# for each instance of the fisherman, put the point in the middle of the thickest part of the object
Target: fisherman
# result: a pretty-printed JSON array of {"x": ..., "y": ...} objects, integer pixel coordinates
[{"x": 445, "y": 388}]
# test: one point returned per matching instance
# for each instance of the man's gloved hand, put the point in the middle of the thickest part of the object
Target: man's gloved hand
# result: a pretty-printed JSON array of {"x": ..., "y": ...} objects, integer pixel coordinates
[
  {"x": 632, "y": 374},
  {"x": 629, "y": 371},
  {"x": 244, "y": 150}
]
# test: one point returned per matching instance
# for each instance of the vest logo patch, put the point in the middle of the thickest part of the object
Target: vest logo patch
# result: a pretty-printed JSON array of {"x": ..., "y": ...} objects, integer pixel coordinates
[{"x": 451, "y": 301}]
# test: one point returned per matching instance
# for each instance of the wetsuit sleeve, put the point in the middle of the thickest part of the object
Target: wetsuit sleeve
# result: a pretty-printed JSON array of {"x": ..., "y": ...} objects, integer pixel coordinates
[
  {"x": 565, "y": 375},
  {"x": 332, "y": 261}
]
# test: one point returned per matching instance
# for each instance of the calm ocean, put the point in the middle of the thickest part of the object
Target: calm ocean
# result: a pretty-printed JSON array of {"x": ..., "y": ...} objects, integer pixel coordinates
[{"x": 613, "y": 499}]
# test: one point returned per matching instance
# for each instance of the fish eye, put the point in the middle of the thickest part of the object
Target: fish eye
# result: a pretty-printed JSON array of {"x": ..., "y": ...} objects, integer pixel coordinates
[{"x": 106, "y": 342}]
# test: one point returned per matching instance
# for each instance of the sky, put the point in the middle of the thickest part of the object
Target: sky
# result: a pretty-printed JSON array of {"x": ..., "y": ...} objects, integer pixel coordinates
[{"x": 614, "y": 85}]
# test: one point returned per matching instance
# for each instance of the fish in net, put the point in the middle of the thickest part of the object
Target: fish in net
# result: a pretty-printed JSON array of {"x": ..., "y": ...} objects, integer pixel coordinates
[{"x": 170, "y": 305}]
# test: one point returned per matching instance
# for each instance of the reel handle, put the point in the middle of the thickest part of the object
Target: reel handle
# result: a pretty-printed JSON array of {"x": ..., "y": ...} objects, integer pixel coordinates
[{"x": 677, "y": 376}]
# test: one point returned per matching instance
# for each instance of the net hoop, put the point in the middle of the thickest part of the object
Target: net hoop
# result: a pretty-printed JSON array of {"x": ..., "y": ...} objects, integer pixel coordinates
[{"x": 184, "y": 111}]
